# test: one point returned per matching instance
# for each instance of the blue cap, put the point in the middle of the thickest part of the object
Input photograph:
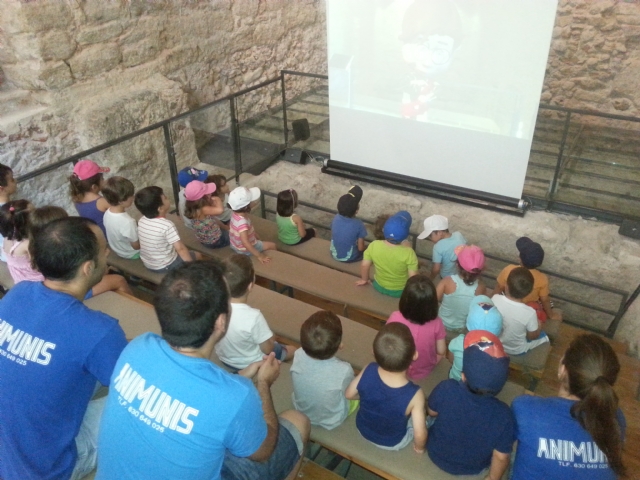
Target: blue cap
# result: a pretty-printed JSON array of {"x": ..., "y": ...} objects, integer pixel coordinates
[
  {"x": 483, "y": 315},
  {"x": 396, "y": 228},
  {"x": 188, "y": 174}
]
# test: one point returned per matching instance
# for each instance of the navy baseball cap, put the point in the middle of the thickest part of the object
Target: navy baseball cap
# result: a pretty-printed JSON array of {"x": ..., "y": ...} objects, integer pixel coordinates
[
  {"x": 484, "y": 362},
  {"x": 396, "y": 228},
  {"x": 189, "y": 174},
  {"x": 531, "y": 253}
]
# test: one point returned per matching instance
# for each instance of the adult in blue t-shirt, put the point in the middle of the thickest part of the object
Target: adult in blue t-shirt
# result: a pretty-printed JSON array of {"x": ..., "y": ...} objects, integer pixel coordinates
[
  {"x": 53, "y": 350},
  {"x": 171, "y": 413},
  {"x": 347, "y": 232}
]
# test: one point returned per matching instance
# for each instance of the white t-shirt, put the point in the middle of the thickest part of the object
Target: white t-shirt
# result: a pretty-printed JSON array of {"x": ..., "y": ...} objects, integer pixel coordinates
[
  {"x": 121, "y": 232},
  {"x": 157, "y": 236},
  {"x": 247, "y": 330},
  {"x": 517, "y": 320},
  {"x": 182, "y": 203}
]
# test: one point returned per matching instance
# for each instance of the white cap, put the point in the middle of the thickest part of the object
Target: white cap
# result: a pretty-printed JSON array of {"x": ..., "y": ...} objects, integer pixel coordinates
[
  {"x": 240, "y": 197},
  {"x": 433, "y": 224}
]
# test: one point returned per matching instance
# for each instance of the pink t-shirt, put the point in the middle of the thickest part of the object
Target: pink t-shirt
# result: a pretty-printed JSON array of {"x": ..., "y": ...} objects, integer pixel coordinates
[
  {"x": 425, "y": 337},
  {"x": 238, "y": 225}
]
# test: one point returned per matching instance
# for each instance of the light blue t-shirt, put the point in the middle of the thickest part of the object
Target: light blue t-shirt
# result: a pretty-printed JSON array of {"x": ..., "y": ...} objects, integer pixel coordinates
[
  {"x": 443, "y": 253},
  {"x": 173, "y": 416},
  {"x": 345, "y": 233},
  {"x": 456, "y": 347}
]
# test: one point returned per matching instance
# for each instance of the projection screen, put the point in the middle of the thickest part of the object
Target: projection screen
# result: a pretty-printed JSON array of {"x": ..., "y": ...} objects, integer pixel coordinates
[{"x": 441, "y": 90}]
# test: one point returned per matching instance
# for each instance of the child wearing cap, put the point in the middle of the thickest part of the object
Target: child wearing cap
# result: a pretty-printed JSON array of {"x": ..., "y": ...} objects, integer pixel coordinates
[
  {"x": 395, "y": 262},
  {"x": 185, "y": 176},
  {"x": 387, "y": 397},
  {"x": 347, "y": 232},
  {"x": 436, "y": 229},
  {"x": 456, "y": 291},
  {"x": 201, "y": 208},
  {"x": 243, "y": 237},
  {"x": 483, "y": 315},
  {"x": 8, "y": 187},
  {"x": 473, "y": 432},
  {"x": 122, "y": 233},
  {"x": 531, "y": 257},
  {"x": 85, "y": 184},
  {"x": 222, "y": 192},
  {"x": 418, "y": 310},
  {"x": 319, "y": 378},
  {"x": 161, "y": 249},
  {"x": 521, "y": 330}
]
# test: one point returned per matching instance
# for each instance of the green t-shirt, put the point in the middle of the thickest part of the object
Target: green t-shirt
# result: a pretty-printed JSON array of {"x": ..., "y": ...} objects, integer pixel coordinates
[
  {"x": 287, "y": 230},
  {"x": 392, "y": 262}
]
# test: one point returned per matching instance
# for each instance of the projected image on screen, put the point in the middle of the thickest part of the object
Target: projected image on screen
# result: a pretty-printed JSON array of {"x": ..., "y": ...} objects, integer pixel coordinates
[{"x": 474, "y": 65}]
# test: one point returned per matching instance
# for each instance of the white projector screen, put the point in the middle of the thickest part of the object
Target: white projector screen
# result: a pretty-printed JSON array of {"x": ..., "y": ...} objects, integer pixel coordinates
[{"x": 441, "y": 90}]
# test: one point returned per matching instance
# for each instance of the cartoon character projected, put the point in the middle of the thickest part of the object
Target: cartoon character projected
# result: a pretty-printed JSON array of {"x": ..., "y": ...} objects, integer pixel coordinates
[{"x": 431, "y": 31}]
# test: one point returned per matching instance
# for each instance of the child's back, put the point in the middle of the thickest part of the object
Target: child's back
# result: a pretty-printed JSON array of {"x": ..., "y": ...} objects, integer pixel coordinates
[
  {"x": 347, "y": 232},
  {"x": 122, "y": 232},
  {"x": 85, "y": 184}
]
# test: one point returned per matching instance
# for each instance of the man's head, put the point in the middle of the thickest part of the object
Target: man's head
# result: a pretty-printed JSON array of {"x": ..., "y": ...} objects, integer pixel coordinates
[
  {"x": 191, "y": 302},
  {"x": 321, "y": 335},
  {"x": 239, "y": 274},
  {"x": 394, "y": 348},
  {"x": 151, "y": 201},
  {"x": 519, "y": 283},
  {"x": 117, "y": 190},
  {"x": 531, "y": 253},
  {"x": 69, "y": 249},
  {"x": 485, "y": 365}
]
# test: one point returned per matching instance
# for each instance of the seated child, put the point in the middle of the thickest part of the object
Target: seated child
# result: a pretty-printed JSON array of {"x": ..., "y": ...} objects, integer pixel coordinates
[
  {"x": 419, "y": 312},
  {"x": 531, "y": 257},
  {"x": 520, "y": 328},
  {"x": 395, "y": 262},
  {"x": 8, "y": 187},
  {"x": 243, "y": 237},
  {"x": 248, "y": 336},
  {"x": 436, "y": 229},
  {"x": 319, "y": 378},
  {"x": 185, "y": 176},
  {"x": 347, "y": 232},
  {"x": 85, "y": 184},
  {"x": 387, "y": 397},
  {"x": 456, "y": 291},
  {"x": 122, "y": 232},
  {"x": 222, "y": 192},
  {"x": 201, "y": 208},
  {"x": 291, "y": 230},
  {"x": 14, "y": 227},
  {"x": 160, "y": 246},
  {"x": 483, "y": 315},
  {"x": 378, "y": 226},
  {"x": 473, "y": 431}
]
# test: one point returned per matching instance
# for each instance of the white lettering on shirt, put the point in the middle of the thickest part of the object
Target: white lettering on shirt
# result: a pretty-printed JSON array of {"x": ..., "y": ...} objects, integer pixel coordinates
[
  {"x": 22, "y": 347},
  {"x": 568, "y": 451}
]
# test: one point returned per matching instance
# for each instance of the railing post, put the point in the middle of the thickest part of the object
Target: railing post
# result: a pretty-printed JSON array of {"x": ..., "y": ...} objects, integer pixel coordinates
[
  {"x": 556, "y": 175},
  {"x": 171, "y": 158},
  {"x": 284, "y": 109},
  {"x": 263, "y": 207},
  {"x": 235, "y": 139}
]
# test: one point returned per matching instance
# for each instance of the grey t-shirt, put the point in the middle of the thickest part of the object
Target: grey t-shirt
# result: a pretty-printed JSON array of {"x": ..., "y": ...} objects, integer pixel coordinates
[{"x": 318, "y": 388}]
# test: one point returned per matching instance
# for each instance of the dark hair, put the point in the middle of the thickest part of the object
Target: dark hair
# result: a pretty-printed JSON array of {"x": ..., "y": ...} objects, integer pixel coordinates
[
  {"x": 14, "y": 219},
  {"x": 519, "y": 283},
  {"x": 4, "y": 172},
  {"x": 287, "y": 202},
  {"x": 117, "y": 189},
  {"x": 592, "y": 368},
  {"x": 469, "y": 278},
  {"x": 321, "y": 334},
  {"x": 192, "y": 207},
  {"x": 378, "y": 226},
  {"x": 220, "y": 181},
  {"x": 78, "y": 187},
  {"x": 62, "y": 246},
  {"x": 38, "y": 219},
  {"x": 394, "y": 347},
  {"x": 148, "y": 201},
  {"x": 419, "y": 300},
  {"x": 189, "y": 300},
  {"x": 239, "y": 274}
]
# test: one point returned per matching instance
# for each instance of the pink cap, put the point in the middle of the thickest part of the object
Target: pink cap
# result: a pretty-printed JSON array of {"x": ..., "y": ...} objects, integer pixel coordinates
[
  {"x": 86, "y": 169},
  {"x": 470, "y": 257},
  {"x": 196, "y": 189}
]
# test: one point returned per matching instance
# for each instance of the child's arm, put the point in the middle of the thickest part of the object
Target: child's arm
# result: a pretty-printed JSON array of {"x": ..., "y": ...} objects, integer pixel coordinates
[
  {"x": 361, "y": 245},
  {"x": 300, "y": 224},
  {"x": 499, "y": 465},
  {"x": 535, "y": 334},
  {"x": 481, "y": 289},
  {"x": 416, "y": 410},
  {"x": 498, "y": 289},
  {"x": 135, "y": 245},
  {"x": 182, "y": 251},
  {"x": 102, "y": 204},
  {"x": 441, "y": 347},
  {"x": 551, "y": 313},
  {"x": 435, "y": 270},
  {"x": 352, "y": 390},
  {"x": 244, "y": 236},
  {"x": 440, "y": 289},
  {"x": 216, "y": 209},
  {"x": 365, "y": 266},
  {"x": 266, "y": 347}
]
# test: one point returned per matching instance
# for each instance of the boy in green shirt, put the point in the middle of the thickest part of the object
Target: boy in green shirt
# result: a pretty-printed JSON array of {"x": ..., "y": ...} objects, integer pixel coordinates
[{"x": 394, "y": 261}]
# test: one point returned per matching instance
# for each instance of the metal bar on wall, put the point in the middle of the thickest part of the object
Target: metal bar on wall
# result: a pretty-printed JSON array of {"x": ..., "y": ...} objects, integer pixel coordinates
[
  {"x": 563, "y": 142},
  {"x": 171, "y": 158},
  {"x": 284, "y": 110},
  {"x": 235, "y": 139}
]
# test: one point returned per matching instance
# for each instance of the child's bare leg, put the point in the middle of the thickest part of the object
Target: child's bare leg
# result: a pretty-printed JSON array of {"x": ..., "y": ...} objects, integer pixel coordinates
[
  {"x": 268, "y": 246},
  {"x": 112, "y": 282},
  {"x": 198, "y": 255},
  {"x": 290, "y": 351}
]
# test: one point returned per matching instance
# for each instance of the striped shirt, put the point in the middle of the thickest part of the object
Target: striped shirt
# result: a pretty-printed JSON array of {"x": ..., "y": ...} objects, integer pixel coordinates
[
  {"x": 238, "y": 225},
  {"x": 157, "y": 236}
]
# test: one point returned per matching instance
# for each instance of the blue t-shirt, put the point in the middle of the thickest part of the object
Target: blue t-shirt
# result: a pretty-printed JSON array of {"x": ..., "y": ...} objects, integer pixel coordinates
[
  {"x": 53, "y": 349},
  {"x": 443, "y": 253},
  {"x": 345, "y": 233},
  {"x": 553, "y": 445},
  {"x": 173, "y": 416},
  {"x": 468, "y": 428}
]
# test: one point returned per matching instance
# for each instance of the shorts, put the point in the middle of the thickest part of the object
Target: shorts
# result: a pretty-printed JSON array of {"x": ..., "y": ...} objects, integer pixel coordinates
[
  {"x": 258, "y": 246},
  {"x": 175, "y": 264},
  {"x": 386, "y": 291},
  {"x": 223, "y": 241},
  {"x": 279, "y": 349},
  {"x": 408, "y": 438},
  {"x": 309, "y": 234},
  {"x": 288, "y": 451}
]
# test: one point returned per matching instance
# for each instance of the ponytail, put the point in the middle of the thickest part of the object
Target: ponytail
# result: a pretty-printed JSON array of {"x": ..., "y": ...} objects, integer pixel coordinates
[
  {"x": 78, "y": 188},
  {"x": 14, "y": 220},
  {"x": 592, "y": 369},
  {"x": 468, "y": 278}
]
